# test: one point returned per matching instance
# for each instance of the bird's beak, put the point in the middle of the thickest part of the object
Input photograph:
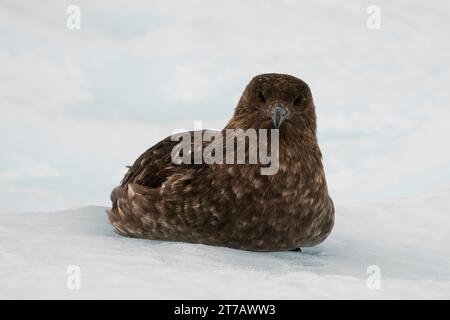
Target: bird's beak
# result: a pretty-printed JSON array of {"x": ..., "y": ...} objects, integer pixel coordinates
[{"x": 278, "y": 114}]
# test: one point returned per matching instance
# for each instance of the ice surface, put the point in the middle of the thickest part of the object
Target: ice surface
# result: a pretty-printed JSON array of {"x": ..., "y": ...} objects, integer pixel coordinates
[{"x": 408, "y": 239}]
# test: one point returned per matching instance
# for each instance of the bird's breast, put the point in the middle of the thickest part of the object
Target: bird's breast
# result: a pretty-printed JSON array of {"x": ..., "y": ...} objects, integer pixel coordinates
[{"x": 284, "y": 209}]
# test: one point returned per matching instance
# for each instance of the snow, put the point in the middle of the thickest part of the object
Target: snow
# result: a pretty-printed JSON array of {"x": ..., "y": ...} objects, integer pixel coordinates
[{"x": 407, "y": 239}]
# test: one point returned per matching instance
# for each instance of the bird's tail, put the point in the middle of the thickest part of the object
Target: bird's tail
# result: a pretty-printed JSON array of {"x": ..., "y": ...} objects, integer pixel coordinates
[{"x": 132, "y": 208}]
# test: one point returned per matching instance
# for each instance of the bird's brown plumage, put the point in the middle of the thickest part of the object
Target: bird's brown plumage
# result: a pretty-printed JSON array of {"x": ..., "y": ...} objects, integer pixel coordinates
[{"x": 234, "y": 205}]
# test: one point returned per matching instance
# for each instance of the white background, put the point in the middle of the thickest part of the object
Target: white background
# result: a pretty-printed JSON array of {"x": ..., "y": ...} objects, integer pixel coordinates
[{"x": 77, "y": 106}]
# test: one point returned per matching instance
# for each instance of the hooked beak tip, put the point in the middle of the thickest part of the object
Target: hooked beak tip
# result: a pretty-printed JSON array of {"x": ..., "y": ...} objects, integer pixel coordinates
[{"x": 278, "y": 115}]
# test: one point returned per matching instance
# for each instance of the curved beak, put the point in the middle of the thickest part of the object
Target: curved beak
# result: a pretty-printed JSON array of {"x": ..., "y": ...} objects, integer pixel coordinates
[{"x": 278, "y": 114}]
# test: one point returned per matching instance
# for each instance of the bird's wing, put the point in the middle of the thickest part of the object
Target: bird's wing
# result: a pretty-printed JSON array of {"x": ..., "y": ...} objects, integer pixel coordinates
[{"x": 153, "y": 167}]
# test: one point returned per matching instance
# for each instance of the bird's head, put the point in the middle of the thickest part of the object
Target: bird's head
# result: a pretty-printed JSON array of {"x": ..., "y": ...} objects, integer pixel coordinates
[{"x": 276, "y": 101}]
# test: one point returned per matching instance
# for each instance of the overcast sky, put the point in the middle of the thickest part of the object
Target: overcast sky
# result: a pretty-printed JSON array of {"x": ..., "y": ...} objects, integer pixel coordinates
[{"x": 77, "y": 106}]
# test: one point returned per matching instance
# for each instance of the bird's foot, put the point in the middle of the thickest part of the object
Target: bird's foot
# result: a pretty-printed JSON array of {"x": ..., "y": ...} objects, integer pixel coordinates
[{"x": 296, "y": 250}]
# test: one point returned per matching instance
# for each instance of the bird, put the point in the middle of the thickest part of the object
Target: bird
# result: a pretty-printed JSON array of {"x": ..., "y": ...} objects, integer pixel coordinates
[{"x": 234, "y": 205}]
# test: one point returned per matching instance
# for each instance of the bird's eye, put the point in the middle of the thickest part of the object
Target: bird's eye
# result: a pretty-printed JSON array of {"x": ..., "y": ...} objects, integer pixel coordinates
[
  {"x": 261, "y": 96},
  {"x": 299, "y": 100}
]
